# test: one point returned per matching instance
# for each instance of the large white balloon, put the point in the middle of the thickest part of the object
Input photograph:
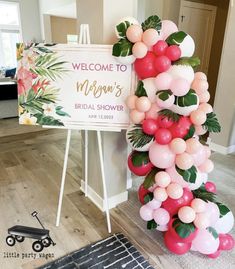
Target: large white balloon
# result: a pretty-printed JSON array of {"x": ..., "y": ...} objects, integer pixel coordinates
[
  {"x": 187, "y": 47},
  {"x": 225, "y": 224},
  {"x": 126, "y": 60},
  {"x": 131, "y": 143},
  {"x": 182, "y": 71},
  {"x": 150, "y": 87}
]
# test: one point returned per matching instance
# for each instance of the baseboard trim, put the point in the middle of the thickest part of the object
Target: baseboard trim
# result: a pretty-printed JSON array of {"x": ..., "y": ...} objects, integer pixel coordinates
[
  {"x": 99, "y": 202},
  {"x": 221, "y": 149}
]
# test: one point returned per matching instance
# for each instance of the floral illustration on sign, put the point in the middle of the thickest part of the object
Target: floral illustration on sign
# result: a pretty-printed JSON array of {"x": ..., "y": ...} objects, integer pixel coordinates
[{"x": 38, "y": 100}]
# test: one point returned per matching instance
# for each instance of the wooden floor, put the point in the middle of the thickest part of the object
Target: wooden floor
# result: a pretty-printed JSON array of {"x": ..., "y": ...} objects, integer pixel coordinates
[{"x": 30, "y": 172}]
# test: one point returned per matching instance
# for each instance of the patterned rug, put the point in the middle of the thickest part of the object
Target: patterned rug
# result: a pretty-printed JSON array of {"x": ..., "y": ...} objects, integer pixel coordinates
[{"x": 114, "y": 252}]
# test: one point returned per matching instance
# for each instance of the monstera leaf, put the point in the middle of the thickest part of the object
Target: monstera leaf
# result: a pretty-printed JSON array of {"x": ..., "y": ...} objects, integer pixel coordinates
[
  {"x": 123, "y": 48},
  {"x": 189, "y": 175},
  {"x": 122, "y": 27},
  {"x": 140, "y": 91},
  {"x": 176, "y": 38},
  {"x": 189, "y": 99},
  {"x": 152, "y": 22}
]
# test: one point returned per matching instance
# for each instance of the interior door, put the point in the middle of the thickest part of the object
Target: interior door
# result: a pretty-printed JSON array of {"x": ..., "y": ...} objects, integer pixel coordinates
[{"x": 198, "y": 20}]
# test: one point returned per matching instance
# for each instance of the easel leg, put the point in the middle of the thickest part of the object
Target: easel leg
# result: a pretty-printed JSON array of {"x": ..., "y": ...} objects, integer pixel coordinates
[
  {"x": 63, "y": 177},
  {"x": 86, "y": 163},
  {"x": 104, "y": 181}
]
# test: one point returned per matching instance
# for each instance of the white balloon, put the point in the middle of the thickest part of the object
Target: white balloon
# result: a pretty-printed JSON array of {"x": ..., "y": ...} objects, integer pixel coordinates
[
  {"x": 131, "y": 20},
  {"x": 225, "y": 224},
  {"x": 198, "y": 182},
  {"x": 182, "y": 71},
  {"x": 150, "y": 87},
  {"x": 204, "y": 177},
  {"x": 126, "y": 60},
  {"x": 144, "y": 148},
  {"x": 187, "y": 47},
  {"x": 162, "y": 228},
  {"x": 184, "y": 111}
]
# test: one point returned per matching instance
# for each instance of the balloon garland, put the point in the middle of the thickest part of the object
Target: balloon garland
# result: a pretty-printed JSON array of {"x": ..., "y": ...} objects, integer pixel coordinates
[{"x": 169, "y": 112}]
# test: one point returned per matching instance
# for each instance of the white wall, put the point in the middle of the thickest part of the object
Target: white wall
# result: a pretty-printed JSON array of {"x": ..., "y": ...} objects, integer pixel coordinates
[{"x": 30, "y": 20}]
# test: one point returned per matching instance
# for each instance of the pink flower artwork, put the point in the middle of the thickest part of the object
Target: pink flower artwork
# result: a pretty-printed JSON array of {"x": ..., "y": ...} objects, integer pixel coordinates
[{"x": 25, "y": 79}]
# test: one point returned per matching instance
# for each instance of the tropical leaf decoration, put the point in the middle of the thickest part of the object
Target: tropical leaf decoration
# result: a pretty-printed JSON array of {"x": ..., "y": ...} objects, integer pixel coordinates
[
  {"x": 122, "y": 48},
  {"x": 189, "y": 175},
  {"x": 149, "y": 180},
  {"x": 212, "y": 123},
  {"x": 189, "y": 99},
  {"x": 190, "y": 133},
  {"x": 176, "y": 38},
  {"x": 164, "y": 94},
  {"x": 212, "y": 231},
  {"x": 224, "y": 210},
  {"x": 138, "y": 137},
  {"x": 189, "y": 61},
  {"x": 203, "y": 194},
  {"x": 169, "y": 114},
  {"x": 148, "y": 197},
  {"x": 151, "y": 225},
  {"x": 152, "y": 22},
  {"x": 140, "y": 158},
  {"x": 121, "y": 28},
  {"x": 183, "y": 229},
  {"x": 140, "y": 90}
]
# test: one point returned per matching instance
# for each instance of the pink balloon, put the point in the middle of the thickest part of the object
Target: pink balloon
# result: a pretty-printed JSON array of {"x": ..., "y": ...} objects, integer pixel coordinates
[
  {"x": 161, "y": 156},
  {"x": 199, "y": 157},
  {"x": 198, "y": 205},
  {"x": 130, "y": 101},
  {"x": 202, "y": 221},
  {"x": 161, "y": 216},
  {"x": 162, "y": 179},
  {"x": 178, "y": 145},
  {"x": 180, "y": 87},
  {"x": 175, "y": 177},
  {"x": 207, "y": 108},
  {"x": 166, "y": 103},
  {"x": 154, "y": 204},
  {"x": 192, "y": 145},
  {"x": 174, "y": 191},
  {"x": 214, "y": 255},
  {"x": 139, "y": 50},
  {"x": 200, "y": 130},
  {"x": 153, "y": 112},
  {"x": 184, "y": 161},
  {"x": 150, "y": 37},
  {"x": 198, "y": 117},
  {"x": 205, "y": 243},
  {"x": 143, "y": 104},
  {"x": 204, "y": 97},
  {"x": 200, "y": 75},
  {"x": 207, "y": 166},
  {"x": 134, "y": 33},
  {"x": 160, "y": 194},
  {"x": 136, "y": 116},
  {"x": 186, "y": 214},
  {"x": 168, "y": 28},
  {"x": 200, "y": 86},
  {"x": 163, "y": 81},
  {"x": 146, "y": 213},
  {"x": 226, "y": 242},
  {"x": 213, "y": 212}
]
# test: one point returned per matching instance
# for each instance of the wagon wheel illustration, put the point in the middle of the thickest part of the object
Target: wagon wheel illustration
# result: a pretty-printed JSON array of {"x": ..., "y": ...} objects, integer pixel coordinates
[
  {"x": 46, "y": 242},
  {"x": 10, "y": 240},
  {"x": 19, "y": 238},
  {"x": 37, "y": 246}
]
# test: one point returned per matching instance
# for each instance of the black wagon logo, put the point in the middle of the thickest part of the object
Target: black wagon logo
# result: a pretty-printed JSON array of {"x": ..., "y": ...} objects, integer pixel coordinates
[{"x": 18, "y": 233}]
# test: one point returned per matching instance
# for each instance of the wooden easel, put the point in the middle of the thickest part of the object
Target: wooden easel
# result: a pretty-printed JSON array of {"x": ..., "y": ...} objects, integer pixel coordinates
[{"x": 84, "y": 38}]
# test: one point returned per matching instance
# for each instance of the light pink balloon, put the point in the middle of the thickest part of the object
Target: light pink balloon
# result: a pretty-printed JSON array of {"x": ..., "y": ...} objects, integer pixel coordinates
[
  {"x": 178, "y": 145},
  {"x": 162, "y": 228},
  {"x": 184, "y": 161},
  {"x": 161, "y": 156},
  {"x": 167, "y": 103},
  {"x": 146, "y": 213},
  {"x": 153, "y": 112},
  {"x": 154, "y": 204},
  {"x": 213, "y": 212},
  {"x": 163, "y": 81},
  {"x": 200, "y": 75},
  {"x": 199, "y": 157},
  {"x": 207, "y": 108},
  {"x": 186, "y": 214},
  {"x": 162, "y": 179},
  {"x": 139, "y": 50},
  {"x": 168, "y": 28},
  {"x": 130, "y": 101},
  {"x": 202, "y": 221},
  {"x": 150, "y": 37},
  {"x": 175, "y": 177},
  {"x": 206, "y": 167},
  {"x": 153, "y": 187},
  {"x": 204, "y": 97},
  {"x": 136, "y": 116},
  {"x": 175, "y": 191},
  {"x": 161, "y": 216},
  {"x": 205, "y": 243},
  {"x": 134, "y": 33},
  {"x": 160, "y": 194},
  {"x": 198, "y": 117},
  {"x": 180, "y": 86},
  {"x": 200, "y": 130},
  {"x": 192, "y": 145},
  {"x": 143, "y": 104},
  {"x": 198, "y": 205},
  {"x": 200, "y": 86},
  {"x": 208, "y": 151}
]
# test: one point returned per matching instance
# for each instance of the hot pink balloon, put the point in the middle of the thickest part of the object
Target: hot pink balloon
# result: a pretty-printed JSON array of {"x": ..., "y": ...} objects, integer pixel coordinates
[
  {"x": 146, "y": 213},
  {"x": 180, "y": 86},
  {"x": 161, "y": 156},
  {"x": 205, "y": 243},
  {"x": 139, "y": 50},
  {"x": 175, "y": 177},
  {"x": 168, "y": 28},
  {"x": 163, "y": 81},
  {"x": 161, "y": 216},
  {"x": 153, "y": 112}
]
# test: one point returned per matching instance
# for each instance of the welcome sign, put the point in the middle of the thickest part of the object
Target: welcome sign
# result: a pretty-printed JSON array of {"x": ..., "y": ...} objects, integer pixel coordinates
[{"x": 64, "y": 85}]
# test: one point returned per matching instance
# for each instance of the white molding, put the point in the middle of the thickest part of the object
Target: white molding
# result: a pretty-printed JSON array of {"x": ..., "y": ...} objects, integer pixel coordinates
[
  {"x": 221, "y": 149},
  {"x": 113, "y": 201}
]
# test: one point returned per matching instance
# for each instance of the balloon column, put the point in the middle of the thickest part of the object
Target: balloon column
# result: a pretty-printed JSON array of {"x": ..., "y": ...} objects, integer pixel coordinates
[{"x": 169, "y": 112}]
